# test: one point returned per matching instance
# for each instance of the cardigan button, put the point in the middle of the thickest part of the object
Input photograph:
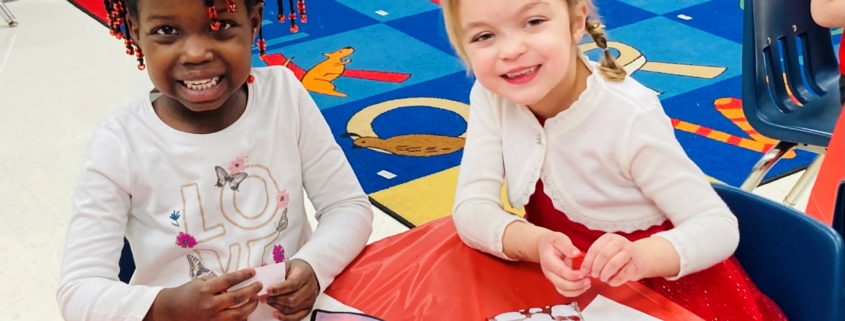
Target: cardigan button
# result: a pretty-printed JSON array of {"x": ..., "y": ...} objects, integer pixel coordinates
[{"x": 539, "y": 139}]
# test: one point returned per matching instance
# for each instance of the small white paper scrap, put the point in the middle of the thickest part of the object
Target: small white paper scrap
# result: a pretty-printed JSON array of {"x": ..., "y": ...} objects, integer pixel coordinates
[
  {"x": 386, "y": 174},
  {"x": 563, "y": 310},
  {"x": 605, "y": 309},
  {"x": 381, "y": 13},
  {"x": 268, "y": 275},
  {"x": 685, "y": 17}
]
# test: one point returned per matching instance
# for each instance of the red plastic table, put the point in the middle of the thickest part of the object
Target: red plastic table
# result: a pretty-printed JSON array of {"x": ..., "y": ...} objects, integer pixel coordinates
[{"x": 428, "y": 273}]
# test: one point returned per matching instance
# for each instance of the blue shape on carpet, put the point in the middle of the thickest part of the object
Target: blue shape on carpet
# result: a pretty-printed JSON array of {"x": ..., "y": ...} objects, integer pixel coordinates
[
  {"x": 427, "y": 27},
  {"x": 615, "y": 14},
  {"x": 712, "y": 17},
  {"x": 390, "y": 9},
  {"x": 419, "y": 120},
  {"x": 663, "y": 6}
]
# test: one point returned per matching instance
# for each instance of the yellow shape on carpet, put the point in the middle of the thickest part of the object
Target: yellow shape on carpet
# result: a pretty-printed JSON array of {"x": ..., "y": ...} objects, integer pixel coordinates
[{"x": 431, "y": 197}]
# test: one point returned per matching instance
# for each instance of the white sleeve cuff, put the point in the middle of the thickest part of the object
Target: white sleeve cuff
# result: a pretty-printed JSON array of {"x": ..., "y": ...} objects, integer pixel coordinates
[
  {"x": 685, "y": 252},
  {"x": 142, "y": 308}
]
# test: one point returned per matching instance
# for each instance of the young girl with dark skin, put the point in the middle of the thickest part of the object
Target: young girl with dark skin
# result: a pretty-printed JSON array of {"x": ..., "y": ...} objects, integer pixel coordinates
[{"x": 199, "y": 57}]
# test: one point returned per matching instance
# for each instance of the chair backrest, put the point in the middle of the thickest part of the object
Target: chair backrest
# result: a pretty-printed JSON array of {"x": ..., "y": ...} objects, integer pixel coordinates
[
  {"x": 794, "y": 259},
  {"x": 785, "y": 52}
]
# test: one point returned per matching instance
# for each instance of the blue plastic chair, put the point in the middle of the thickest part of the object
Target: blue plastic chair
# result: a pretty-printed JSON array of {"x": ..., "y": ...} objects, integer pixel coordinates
[
  {"x": 784, "y": 51},
  {"x": 127, "y": 263},
  {"x": 794, "y": 259}
]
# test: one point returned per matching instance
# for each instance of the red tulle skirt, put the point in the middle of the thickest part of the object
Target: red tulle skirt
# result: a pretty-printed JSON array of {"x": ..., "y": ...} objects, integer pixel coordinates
[{"x": 723, "y": 292}]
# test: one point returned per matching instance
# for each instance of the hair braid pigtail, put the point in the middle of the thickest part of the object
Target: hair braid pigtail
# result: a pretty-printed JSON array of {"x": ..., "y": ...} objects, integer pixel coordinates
[
  {"x": 212, "y": 14},
  {"x": 262, "y": 45},
  {"x": 292, "y": 17},
  {"x": 281, "y": 16},
  {"x": 301, "y": 4},
  {"x": 609, "y": 68}
]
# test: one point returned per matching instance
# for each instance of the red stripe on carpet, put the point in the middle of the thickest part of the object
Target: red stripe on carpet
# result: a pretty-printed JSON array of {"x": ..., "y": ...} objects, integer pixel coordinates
[
  {"x": 734, "y": 140},
  {"x": 376, "y": 75},
  {"x": 278, "y": 59},
  {"x": 703, "y": 131}
]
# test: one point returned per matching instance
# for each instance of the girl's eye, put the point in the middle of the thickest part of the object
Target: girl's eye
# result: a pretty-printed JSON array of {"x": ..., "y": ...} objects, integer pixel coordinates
[
  {"x": 482, "y": 37},
  {"x": 224, "y": 25},
  {"x": 535, "y": 22},
  {"x": 164, "y": 31}
]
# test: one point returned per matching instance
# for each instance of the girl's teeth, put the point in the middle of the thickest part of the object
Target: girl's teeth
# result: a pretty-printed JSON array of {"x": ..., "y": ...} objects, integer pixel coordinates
[
  {"x": 202, "y": 84},
  {"x": 522, "y": 73}
]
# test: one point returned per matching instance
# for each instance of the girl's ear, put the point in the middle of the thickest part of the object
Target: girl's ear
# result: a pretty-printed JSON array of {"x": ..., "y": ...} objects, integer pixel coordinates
[
  {"x": 256, "y": 17},
  {"x": 578, "y": 21}
]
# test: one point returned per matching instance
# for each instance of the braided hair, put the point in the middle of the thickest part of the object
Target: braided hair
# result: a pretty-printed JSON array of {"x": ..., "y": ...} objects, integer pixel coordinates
[
  {"x": 609, "y": 68},
  {"x": 116, "y": 11}
]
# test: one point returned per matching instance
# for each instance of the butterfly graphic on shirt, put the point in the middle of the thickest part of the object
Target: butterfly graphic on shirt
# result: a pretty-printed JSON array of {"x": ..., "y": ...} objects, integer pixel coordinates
[
  {"x": 198, "y": 270},
  {"x": 234, "y": 180},
  {"x": 283, "y": 222}
]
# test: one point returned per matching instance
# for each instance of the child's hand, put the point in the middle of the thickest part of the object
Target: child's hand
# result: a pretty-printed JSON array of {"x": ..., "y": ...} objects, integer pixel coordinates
[
  {"x": 205, "y": 299},
  {"x": 615, "y": 260},
  {"x": 294, "y": 298},
  {"x": 556, "y": 254}
]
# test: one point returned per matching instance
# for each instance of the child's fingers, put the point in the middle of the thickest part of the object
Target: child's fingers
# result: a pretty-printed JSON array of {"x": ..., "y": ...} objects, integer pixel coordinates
[
  {"x": 603, "y": 253},
  {"x": 295, "y": 316},
  {"x": 627, "y": 273},
  {"x": 564, "y": 245},
  {"x": 592, "y": 253},
  {"x": 553, "y": 263},
  {"x": 289, "y": 302},
  {"x": 603, "y": 256},
  {"x": 239, "y": 313},
  {"x": 566, "y": 287},
  {"x": 295, "y": 280},
  {"x": 239, "y": 296},
  {"x": 286, "y": 287},
  {"x": 614, "y": 264},
  {"x": 228, "y": 280}
]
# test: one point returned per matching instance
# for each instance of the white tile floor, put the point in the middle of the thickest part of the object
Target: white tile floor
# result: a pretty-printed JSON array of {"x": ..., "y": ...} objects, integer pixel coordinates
[{"x": 60, "y": 75}]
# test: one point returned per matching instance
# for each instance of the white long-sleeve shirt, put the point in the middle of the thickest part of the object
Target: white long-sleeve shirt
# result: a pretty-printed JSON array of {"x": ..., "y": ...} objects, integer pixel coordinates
[
  {"x": 226, "y": 201},
  {"x": 610, "y": 162}
]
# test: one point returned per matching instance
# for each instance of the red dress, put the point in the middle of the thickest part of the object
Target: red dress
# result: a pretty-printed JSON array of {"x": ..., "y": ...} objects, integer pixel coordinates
[{"x": 723, "y": 292}]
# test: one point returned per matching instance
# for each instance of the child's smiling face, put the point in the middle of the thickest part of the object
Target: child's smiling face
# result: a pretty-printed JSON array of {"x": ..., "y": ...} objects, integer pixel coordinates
[
  {"x": 187, "y": 60},
  {"x": 521, "y": 49}
]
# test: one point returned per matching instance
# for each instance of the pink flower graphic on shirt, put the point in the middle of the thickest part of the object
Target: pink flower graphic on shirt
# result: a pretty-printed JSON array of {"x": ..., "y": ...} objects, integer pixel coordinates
[
  {"x": 237, "y": 166},
  {"x": 186, "y": 240},
  {"x": 282, "y": 199},
  {"x": 278, "y": 253}
]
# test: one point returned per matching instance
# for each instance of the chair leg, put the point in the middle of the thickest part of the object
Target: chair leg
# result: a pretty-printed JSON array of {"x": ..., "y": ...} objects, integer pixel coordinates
[
  {"x": 804, "y": 182},
  {"x": 7, "y": 15},
  {"x": 765, "y": 164}
]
